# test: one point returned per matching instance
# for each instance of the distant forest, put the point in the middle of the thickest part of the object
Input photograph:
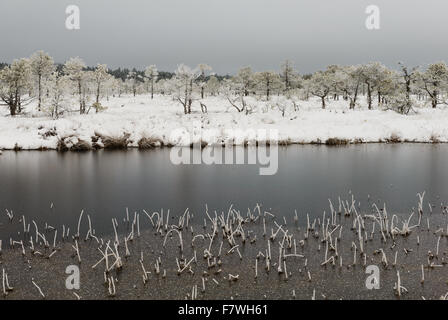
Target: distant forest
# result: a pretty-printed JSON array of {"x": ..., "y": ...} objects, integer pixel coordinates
[{"x": 122, "y": 73}]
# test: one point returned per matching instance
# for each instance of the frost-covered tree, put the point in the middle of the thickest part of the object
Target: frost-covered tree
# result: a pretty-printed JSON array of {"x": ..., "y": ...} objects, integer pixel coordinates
[
  {"x": 42, "y": 66},
  {"x": 213, "y": 85},
  {"x": 151, "y": 75},
  {"x": 109, "y": 86},
  {"x": 321, "y": 84},
  {"x": 14, "y": 84},
  {"x": 165, "y": 86},
  {"x": 433, "y": 81},
  {"x": 288, "y": 75},
  {"x": 245, "y": 80},
  {"x": 88, "y": 88},
  {"x": 267, "y": 81},
  {"x": 133, "y": 80},
  {"x": 183, "y": 81},
  {"x": 58, "y": 85},
  {"x": 337, "y": 77},
  {"x": 100, "y": 76},
  {"x": 402, "y": 102},
  {"x": 235, "y": 92},
  {"x": 371, "y": 77},
  {"x": 203, "y": 69},
  {"x": 386, "y": 85},
  {"x": 368, "y": 81},
  {"x": 305, "y": 88},
  {"x": 117, "y": 86},
  {"x": 350, "y": 84},
  {"x": 74, "y": 69}
]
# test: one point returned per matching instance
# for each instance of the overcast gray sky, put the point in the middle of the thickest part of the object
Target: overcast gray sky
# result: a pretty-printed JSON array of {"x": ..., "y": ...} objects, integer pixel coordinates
[{"x": 227, "y": 34}]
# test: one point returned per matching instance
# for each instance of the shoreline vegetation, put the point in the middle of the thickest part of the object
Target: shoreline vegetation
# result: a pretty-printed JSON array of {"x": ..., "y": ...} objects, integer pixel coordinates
[
  {"x": 83, "y": 146},
  {"x": 233, "y": 254},
  {"x": 145, "y": 123},
  {"x": 73, "y": 107}
]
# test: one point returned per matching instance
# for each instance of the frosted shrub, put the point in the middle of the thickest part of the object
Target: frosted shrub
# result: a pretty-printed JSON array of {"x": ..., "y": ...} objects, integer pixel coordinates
[
  {"x": 98, "y": 107},
  {"x": 399, "y": 103}
]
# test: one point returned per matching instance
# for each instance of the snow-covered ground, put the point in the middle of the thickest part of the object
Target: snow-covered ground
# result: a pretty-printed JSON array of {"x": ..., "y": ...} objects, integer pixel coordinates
[{"x": 142, "y": 117}]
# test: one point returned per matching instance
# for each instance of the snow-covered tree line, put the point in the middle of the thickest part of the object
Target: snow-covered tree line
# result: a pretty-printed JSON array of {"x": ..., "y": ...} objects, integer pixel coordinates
[{"x": 55, "y": 87}]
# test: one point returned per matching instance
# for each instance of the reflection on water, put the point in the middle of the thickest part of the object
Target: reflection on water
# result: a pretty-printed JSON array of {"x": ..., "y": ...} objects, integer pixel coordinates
[{"x": 104, "y": 183}]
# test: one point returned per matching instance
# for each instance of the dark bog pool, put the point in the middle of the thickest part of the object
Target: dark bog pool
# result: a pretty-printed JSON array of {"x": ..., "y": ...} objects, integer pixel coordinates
[{"x": 105, "y": 183}]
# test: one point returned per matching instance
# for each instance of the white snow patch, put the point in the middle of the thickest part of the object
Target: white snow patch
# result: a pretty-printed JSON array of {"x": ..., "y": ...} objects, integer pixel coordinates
[{"x": 142, "y": 117}]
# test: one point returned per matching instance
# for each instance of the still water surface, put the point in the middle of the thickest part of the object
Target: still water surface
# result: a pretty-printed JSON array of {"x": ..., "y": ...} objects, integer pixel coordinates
[{"x": 105, "y": 183}]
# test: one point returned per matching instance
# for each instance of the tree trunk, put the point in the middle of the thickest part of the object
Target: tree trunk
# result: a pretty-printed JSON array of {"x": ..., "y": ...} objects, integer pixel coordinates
[
  {"x": 81, "y": 111},
  {"x": 323, "y": 102},
  {"x": 355, "y": 97},
  {"x": 152, "y": 89},
  {"x": 12, "y": 106},
  {"x": 369, "y": 96},
  {"x": 352, "y": 104},
  {"x": 434, "y": 103},
  {"x": 17, "y": 102},
  {"x": 408, "y": 94},
  {"x": 98, "y": 93},
  {"x": 189, "y": 105},
  {"x": 434, "y": 99},
  {"x": 39, "y": 92}
]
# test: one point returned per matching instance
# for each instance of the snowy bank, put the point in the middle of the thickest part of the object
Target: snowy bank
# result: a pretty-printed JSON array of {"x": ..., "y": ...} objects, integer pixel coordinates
[{"x": 132, "y": 118}]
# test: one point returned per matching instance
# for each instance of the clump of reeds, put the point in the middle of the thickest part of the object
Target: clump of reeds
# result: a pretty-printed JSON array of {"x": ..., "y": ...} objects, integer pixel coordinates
[
  {"x": 434, "y": 138},
  {"x": 111, "y": 142},
  {"x": 149, "y": 143},
  {"x": 202, "y": 143},
  {"x": 285, "y": 142},
  {"x": 81, "y": 145},
  {"x": 72, "y": 143},
  {"x": 336, "y": 142},
  {"x": 49, "y": 133},
  {"x": 394, "y": 138},
  {"x": 228, "y": 234},
  {"x": 61, "y": 145},
  {"x": 17, "y": 147}
]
